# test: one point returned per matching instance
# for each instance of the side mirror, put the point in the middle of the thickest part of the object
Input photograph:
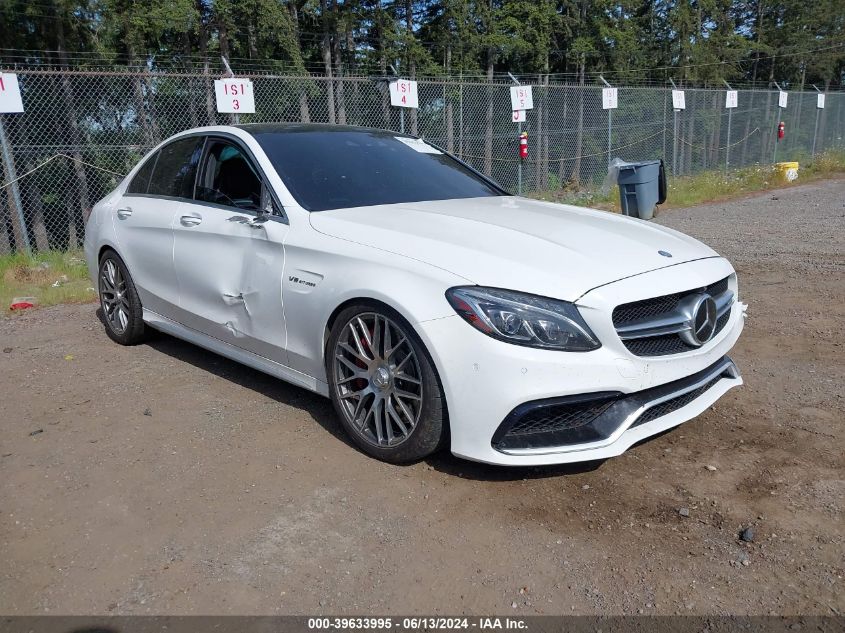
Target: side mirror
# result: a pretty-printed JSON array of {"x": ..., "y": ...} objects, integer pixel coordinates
[
  {"x": 267, "y": 208},
  {"x": 265, "y": 213}
]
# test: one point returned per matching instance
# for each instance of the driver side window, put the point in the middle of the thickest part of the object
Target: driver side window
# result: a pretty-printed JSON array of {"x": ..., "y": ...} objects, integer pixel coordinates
[{"x": 229, "y": 178}]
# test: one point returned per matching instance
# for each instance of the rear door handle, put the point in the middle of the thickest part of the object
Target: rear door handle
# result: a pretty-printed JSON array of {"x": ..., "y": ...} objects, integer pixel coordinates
[
  {"x": 190, "y": 220},
  {"x": 124, "y": 213}
]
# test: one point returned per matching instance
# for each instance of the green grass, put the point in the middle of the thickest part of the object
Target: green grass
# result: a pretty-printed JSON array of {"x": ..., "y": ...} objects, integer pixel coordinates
[
  {"x": 713, "y": 186},
  {"x": 33, "y": 276}
]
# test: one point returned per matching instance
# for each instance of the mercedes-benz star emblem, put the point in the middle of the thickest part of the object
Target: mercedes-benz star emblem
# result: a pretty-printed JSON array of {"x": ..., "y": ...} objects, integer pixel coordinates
[{"x": 700, "y": 310}]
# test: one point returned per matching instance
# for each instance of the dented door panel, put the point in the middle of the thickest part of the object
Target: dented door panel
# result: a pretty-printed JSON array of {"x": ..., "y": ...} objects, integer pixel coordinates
[{"x": 230, "y": 278}]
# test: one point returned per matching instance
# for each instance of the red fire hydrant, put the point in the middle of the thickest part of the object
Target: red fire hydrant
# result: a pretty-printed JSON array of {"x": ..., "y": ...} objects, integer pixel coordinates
[
  {"x": 781, "y": 130},
  {"x": 523, "y": 145}
]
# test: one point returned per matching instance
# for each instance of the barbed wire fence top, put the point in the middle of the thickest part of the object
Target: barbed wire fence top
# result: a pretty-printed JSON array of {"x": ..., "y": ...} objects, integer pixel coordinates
[{"x": 83, "y": 129}]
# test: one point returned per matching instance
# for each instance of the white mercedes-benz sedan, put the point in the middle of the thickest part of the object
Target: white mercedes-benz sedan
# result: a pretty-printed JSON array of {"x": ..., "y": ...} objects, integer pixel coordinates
[{"x": 431, "y": 306}]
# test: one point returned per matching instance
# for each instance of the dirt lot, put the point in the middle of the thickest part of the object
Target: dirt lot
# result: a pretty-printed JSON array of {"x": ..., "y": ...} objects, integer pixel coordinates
[{"x": 163, "y": 479}]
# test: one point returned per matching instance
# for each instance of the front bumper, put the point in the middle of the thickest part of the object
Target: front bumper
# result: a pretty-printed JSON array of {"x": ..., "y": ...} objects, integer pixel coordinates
[{"x": 486, "y": 380}]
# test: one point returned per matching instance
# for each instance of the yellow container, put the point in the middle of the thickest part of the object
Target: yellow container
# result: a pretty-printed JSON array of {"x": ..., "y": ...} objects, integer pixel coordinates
[{"x": 788, "y": 171}]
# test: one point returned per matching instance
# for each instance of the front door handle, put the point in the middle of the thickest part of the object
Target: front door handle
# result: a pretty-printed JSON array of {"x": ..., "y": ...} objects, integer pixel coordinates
[
  {"x": 124, "y": 213},
  {"x": 190, "y": 220}
]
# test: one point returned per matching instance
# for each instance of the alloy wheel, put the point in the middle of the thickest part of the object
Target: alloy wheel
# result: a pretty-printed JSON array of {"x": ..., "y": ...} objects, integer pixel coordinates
[
  {"x": 377, "y": 379},
  {"x": 114, "y": 297}
]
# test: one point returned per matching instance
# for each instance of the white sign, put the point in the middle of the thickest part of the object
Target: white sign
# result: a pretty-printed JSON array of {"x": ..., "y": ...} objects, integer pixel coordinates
[
  {"x": 518, "y": 116},
  {"x": 234, "y": 96},
  {"x": 521, "y": 98},
  {"x": 820, "y": 100},
  {"x": 10, "y": 93},
  {"x": 678, "y": 101},
  {"x": 782, "y": 99},
  {"x": 730, "y": 99},
  {"x": 403, "y": 93},
  {"x": 608, "y": 98}
]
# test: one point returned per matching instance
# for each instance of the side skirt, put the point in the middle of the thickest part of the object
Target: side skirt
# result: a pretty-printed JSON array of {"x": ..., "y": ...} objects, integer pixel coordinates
[{"x": 236, "y": 354}]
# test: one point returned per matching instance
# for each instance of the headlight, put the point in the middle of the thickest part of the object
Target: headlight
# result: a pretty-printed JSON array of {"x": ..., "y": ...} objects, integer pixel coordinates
[{"x": 523, "y": 319}]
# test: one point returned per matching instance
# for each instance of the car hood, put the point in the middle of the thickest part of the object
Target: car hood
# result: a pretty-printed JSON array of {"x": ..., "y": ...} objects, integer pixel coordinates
[{"x": 548, "y": 249}]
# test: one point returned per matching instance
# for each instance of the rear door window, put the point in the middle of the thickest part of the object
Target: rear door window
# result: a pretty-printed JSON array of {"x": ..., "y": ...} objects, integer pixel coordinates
[
  {"x": 141, "y": 182},
  {"x": 176, "y": 168}
]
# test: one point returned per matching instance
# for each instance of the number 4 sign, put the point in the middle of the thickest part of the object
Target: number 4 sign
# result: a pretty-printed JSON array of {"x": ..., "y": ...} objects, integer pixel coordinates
[
  {"x": 10, "y": 93},
  {"x": 234, "y": 96},
  {"x": 403, "y": 93}
]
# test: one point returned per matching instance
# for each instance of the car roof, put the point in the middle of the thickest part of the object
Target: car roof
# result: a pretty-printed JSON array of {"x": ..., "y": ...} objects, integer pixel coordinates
[{"x": 289, "y": 128}]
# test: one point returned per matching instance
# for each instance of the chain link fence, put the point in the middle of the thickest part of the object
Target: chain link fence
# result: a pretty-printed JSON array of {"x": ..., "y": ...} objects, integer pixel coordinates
[{"x": 84, "y": 129}]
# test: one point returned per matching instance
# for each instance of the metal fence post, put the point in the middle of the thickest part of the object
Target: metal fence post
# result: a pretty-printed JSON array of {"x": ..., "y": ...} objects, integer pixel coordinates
[
  {"x": 609, "y": 123},
  {"x": 816, "y": 128},
  {"x": 777, "y": 122},
  {"x": 12, "y": 179},
  {"x": 728, "y": 142},
  {"x": 674, "y": 135},
  {"x": 519, "y": 136},
  {"x": 236, "y": 118}
]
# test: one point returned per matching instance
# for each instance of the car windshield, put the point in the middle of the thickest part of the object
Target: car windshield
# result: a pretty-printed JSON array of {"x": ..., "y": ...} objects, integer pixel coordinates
[{"x": 333, "y": 169}]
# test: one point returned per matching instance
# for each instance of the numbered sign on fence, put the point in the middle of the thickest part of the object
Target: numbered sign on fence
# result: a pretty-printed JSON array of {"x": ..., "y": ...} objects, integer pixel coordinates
[
  {"x": 234, "y": 96},
  {"x": 403, "y": 93},
  {"x": 608, "y": 98},
  {"x": 820, "y": 101},
  {"x": 782, "y": 99},
  {"x": 522, "y": 98},
  {"x": 678, "y": 101},
  {"x": 730, "y": 99},
  {"x": 518, "y": 116},
  {"x": 10, "y": 93}
]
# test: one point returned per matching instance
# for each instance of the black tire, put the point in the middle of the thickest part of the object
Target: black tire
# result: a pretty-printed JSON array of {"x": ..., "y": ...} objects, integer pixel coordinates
[
  {"x": 127, "y": 301},
  {"x": 430, "y": 432}
]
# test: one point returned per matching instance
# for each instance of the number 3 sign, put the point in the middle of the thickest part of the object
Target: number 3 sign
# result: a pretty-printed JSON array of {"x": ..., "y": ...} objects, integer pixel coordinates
[{"x": 234, "y": 96}]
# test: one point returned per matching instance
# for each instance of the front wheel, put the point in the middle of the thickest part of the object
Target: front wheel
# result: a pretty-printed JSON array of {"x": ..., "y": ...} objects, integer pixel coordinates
[
  {"x": 122, "y": 312},
  {"x": 384, "y": 386}
]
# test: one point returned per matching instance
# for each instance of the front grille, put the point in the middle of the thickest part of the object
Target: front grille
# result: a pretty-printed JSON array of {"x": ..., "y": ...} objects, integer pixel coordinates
[
  {"x": 565, "y": 417},
  {"x": 664, "y": 345},
  {"x": 659, "y": 410}
]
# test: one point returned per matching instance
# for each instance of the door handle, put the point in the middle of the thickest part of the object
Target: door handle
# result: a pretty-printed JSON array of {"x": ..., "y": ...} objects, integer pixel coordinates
[
  {"x": 190, "y": 220},
  {"x": 124, "y": 213}
]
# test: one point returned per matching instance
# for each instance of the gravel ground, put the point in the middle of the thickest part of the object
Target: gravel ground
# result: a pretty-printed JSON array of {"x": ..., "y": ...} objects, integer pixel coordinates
[{"x": 162, "y": 479}]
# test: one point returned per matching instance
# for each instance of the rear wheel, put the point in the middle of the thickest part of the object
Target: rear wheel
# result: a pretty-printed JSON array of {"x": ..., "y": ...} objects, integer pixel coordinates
[
  {"x": 122, "y": 312},
  {"x": 384, "y": 386}
]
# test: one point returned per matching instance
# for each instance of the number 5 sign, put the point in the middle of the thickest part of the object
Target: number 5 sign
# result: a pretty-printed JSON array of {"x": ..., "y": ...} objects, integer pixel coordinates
[
  {"x": 522, "y": 98},
  {"x": 10, "y": 93},
  {"x": 234, "y": 96},
  {"x": 403, "y": 93}
]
